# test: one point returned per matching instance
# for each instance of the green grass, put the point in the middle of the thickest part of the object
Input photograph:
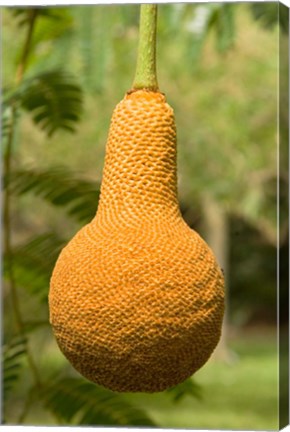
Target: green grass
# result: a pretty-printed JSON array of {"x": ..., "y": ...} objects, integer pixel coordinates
[{"x": 241, "y": 395}]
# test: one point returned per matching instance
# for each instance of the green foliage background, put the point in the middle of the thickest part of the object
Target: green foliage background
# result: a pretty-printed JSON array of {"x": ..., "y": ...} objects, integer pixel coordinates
[{"x": 217, "y": 64}]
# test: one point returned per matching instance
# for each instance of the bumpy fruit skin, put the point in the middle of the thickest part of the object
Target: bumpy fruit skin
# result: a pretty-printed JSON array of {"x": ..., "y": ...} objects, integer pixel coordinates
[{"x": 137, "y": 298}]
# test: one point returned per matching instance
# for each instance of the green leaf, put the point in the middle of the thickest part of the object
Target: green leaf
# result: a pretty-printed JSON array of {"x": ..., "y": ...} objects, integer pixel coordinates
[
  {"x": 270, "y": 14},
  {"x": 199, "y": 21},
  {"x": 30, "y": 326},
  {"x": 23, "y": 15},
  {"x": 6, "y": 121},
  {"x": 60, "y": 187},
  {"x": 13, "y": 354},
  {"x": 225, "y": 28},
  {"x": 77, "y": 401},
  {"x": 222, "y": 20},
  {"x": 33, "y": 263},
  {"x": 267, "y": 14},
  {"x": 198, "y": 26},
  {"x": 54, "y": 100},
  {"x": 9, "y": 123},
  {"x": 187, "y": 388},
  {"x": 57, "y": 22}
]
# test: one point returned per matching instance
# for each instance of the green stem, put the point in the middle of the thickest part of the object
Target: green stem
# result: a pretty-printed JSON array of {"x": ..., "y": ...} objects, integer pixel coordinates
[
  {"x": 33, "y": 13},
  {"x": 145, "y": 77},
  {"x": 7, "y": 200},
  {"x": 7, "y": 173}
]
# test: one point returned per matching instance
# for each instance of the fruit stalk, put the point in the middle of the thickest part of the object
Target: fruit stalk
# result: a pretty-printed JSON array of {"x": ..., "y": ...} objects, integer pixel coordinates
[{"x": 145, "y": 77}]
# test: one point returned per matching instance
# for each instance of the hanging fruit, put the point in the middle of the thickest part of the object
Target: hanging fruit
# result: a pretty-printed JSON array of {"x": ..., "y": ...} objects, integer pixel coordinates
[{"x": 137, "y": 297}]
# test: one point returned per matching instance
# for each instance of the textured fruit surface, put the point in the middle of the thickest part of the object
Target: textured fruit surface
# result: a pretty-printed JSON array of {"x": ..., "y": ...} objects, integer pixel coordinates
[{"x": 137, "y": 298}]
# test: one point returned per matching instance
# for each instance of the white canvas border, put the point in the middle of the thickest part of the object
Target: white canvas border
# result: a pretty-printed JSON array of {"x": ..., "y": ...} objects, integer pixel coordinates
[{"x": 49, "y": 3}]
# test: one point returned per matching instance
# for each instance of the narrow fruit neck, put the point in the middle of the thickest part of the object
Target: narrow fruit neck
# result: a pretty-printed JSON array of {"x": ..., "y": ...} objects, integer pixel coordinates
[
  {"x": 139, "y": 178},
  {"x": 145, "y": 77}
]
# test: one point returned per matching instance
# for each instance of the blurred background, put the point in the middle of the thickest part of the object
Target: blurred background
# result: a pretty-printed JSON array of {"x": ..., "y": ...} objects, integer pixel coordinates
[{"x": 62, "y": 77}]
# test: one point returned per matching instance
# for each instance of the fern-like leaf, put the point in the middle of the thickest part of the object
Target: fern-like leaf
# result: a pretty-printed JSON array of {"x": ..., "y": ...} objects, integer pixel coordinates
[
  {"x": 54, "y": 99},
  {"x": 187, "y": 388},
  {"x": 33, "y": 262},
  {"x": 222, "y": 20},
  {"x": 267, "y": 14},
  {"x": 225, "y": 28},
  {"x": 77, "y": 401},
  {"x": 5, "y": 121},
  {"x": 60, "y": 187},
  {"x": 13, "y": 354}
]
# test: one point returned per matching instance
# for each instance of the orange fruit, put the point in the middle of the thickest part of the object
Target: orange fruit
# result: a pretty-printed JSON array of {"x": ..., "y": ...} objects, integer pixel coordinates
[{"x": 136, "y": 297}]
